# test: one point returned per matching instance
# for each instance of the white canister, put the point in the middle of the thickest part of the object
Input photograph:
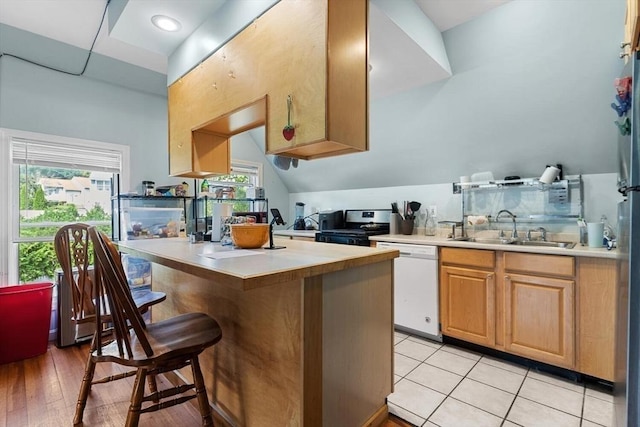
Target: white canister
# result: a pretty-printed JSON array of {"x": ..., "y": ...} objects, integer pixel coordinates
[{"x": 595, "y": 234}]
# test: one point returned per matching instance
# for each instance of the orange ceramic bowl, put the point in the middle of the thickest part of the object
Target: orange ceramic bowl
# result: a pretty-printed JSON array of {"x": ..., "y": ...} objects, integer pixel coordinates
[{"x": 249, "y": 236}]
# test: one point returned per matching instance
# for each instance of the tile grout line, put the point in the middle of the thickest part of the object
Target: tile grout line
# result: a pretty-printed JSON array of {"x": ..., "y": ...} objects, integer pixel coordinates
[
  {"x": 505, "y": 419},
  {"x": 449, "y": 394},
  {"x": 422, "y": 385},
  {"x": 411, "y": 412},
  {"x": 545, "y": 379},
  {"x": 584, "y": 394},
  {"x": 560, "y": 410},
  {"x": 514, "y": 399},
  {"x": 459, "y": 382},
  {"x": 551, "y": 407},
  {"x": 404, "y": 377}
]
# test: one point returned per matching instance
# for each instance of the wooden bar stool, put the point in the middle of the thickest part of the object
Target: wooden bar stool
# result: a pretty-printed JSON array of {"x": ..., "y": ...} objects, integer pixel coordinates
[
  {"x": 150, "y": 348},
  {"x": 73, "y": 249}
]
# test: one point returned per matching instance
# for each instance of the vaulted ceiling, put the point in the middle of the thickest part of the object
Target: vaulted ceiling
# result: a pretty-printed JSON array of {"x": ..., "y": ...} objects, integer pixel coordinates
[{"x": 129, "y": 36}]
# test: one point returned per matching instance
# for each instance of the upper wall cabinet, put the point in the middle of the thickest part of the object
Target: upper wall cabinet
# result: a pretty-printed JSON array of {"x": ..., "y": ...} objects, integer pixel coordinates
[
  {"x": 303, "y": 63},
  {"x": 632, "y": 26}
]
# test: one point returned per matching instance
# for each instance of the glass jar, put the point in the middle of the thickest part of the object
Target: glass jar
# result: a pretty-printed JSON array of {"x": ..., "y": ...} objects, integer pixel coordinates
[
  {"x": 149, "y": 188},
  {"x": 430, "y": 225}
]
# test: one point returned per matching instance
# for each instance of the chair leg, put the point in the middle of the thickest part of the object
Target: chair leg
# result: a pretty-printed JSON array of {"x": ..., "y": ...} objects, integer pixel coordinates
[
  {"x": 133, "y": 416},
  {"x": 201, "y": 392},
  {"x": 85, "y": 388},
  {"x": 153, "y": 386}
]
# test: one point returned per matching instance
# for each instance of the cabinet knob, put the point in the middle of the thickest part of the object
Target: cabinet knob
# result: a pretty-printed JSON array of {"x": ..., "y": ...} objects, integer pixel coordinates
[
  {"x": 507, "y": 277},
  {"x": 427, "y": 319}
]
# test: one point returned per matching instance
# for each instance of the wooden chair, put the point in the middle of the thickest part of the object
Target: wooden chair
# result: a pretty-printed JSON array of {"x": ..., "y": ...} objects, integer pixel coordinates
[
  {"x": 72, "y": 246},
  {"x": 151, "y": 348}
]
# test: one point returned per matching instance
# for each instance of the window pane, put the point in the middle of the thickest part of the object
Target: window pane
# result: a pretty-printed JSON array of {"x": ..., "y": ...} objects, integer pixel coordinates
[
  {"x": 36, "y": 261},
  {"x": 242, "y": 176},
  {"x": 48, "y": 199},
  {"x": 51, "y": 197}
]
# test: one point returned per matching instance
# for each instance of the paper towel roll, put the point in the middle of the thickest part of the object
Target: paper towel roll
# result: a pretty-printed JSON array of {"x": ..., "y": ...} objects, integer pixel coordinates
[
  {"x": 595, "y": 234},
  {"x": 549, "y": 174}
]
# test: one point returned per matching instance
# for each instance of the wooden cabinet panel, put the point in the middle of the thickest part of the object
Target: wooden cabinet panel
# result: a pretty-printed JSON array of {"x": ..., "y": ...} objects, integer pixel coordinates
[
  {"x": 540, "y": 319},
  {"x": 211, "y": 152},
  {"x": 549, "y": 265},
  {"x": 467, "y": 304},
  {"x": 632, "y": 26},
  {"x": 468, "y": 257},
  {"x": 314, "y": 51},
  {"x": 558, "y": 310},
  {"x": 595, "y": 316}
]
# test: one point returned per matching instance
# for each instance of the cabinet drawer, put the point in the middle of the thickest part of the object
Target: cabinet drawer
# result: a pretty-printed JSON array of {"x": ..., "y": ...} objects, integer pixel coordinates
[
  {"x": 468, "y": 257},
  {"x": 550, "y": 265}
]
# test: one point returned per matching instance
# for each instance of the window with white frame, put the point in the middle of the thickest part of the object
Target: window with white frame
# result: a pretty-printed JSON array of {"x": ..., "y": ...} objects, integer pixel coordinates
[
  {"x": 50, "y": 184},
  {"x": 243, "y": 175}
]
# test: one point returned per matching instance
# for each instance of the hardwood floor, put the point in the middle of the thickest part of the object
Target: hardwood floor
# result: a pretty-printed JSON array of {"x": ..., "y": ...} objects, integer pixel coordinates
[{"x": 42, "y": 391}]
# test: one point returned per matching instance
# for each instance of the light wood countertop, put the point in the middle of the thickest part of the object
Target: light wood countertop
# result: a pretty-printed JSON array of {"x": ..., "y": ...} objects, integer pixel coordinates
[
  {"x": 416, "y": 239},
  {"x": 298, "y": 260}
]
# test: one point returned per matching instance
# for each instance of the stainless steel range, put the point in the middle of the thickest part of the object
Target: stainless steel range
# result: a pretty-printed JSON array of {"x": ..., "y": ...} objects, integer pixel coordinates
[{"x": 359, "y": 225}]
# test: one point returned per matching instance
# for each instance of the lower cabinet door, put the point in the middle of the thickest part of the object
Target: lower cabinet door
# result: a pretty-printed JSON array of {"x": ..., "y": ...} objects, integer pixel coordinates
[
  {"x": 467, "y": 304},
  {"x": 540, "y": 319}
]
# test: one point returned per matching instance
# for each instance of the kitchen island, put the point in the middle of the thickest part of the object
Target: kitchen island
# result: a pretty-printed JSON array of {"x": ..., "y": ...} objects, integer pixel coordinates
[{"x": 307, "y": 331}]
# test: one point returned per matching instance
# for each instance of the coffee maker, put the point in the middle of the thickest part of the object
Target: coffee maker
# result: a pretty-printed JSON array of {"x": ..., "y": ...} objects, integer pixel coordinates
[{"x": 298, "y": 223}]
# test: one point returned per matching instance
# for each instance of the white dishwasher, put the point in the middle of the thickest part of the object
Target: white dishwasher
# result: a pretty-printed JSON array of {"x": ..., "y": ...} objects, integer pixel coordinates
[{"x": 416, "y": 289}]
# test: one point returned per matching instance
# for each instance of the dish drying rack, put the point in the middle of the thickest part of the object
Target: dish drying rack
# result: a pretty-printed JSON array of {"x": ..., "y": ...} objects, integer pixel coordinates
[{"x": 529, "y": 199}]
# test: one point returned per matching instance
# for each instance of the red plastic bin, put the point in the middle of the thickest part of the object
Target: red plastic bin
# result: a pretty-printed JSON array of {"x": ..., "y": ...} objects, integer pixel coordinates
[{"x": 25, "y": 314}]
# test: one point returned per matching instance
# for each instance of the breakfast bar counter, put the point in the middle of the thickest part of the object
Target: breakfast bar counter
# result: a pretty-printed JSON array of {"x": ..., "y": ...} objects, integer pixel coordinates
[{"x": 307, "y": 331}]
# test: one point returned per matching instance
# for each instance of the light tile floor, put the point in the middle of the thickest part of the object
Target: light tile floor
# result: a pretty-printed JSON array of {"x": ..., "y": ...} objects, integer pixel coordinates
[{"x": 440, "y": 385}]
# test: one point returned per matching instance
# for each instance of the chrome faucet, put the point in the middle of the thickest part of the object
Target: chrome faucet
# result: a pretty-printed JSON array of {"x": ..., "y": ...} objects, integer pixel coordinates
[
  {"x": 514, "y": 233},
  {"x": 543, "y": 233}
]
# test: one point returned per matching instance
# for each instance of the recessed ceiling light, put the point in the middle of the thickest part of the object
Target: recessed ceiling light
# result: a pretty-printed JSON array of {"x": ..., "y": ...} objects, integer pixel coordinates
[{"x": 165, "y": 23}]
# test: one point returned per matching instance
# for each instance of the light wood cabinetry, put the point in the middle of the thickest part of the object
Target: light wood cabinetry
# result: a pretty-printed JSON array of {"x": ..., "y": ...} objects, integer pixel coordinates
[
  {"x": 316, "y": 52},
  {"x": 632, "y": 26},
  {"x": 467, "y": 295},
  {"x": 558, "y": 310},
  {"x": 539, "y": 316},
  {"x": 595, "y": 316},
  {"x": 539, "y": 307}
]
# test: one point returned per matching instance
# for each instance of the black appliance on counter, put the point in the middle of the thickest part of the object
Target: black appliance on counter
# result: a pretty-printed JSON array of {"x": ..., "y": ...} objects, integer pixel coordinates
[
  {"x": 358, "y": 226},
  {"x": 330, "y": 220}
]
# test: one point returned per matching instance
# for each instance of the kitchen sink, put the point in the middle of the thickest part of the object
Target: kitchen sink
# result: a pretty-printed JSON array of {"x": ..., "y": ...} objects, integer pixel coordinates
[
  {"x": 507, "y": 241},
  {"x": 566, "y": 245},
  {"x": 492, "y": 241}
]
